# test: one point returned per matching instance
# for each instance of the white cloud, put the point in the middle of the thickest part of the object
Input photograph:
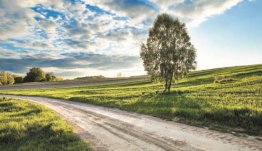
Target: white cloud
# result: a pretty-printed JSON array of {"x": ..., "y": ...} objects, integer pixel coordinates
[
  {"x": 196, "y": 12},
  {"x": 85, "y": 30},
  {"x": 17, "y": 21},
  {"x": 164, "y": 4}
]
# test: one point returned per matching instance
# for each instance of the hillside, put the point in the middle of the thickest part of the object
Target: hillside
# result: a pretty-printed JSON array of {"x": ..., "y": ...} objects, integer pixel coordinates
[{"x": 224, "y": 98}]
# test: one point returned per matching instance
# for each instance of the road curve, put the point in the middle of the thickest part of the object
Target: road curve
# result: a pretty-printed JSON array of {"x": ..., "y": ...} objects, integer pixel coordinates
[{"x": 116, "y": 130}]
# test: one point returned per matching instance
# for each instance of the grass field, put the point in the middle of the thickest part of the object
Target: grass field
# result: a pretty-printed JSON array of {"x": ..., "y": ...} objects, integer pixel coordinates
[
  {"x": 26, "y": 126},
  {"x": 219, "y": 98}
]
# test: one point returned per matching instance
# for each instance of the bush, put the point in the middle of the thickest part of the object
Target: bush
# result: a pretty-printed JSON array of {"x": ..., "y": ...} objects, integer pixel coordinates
[
  {"x": 10, "y": 79},
  {"x": 50, "y": 77},
  {"x": 18, "y": 79},
  {"x": 3, "y": 78},
  {"x": 35, "y": 74},
  {"x": 6, "y": 78}
]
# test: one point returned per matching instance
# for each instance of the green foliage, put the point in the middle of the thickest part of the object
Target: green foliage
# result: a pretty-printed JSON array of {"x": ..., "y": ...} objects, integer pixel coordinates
[
  {"x": 196, "y": 99},
  {"x": 50, "y": 77},
  {"x": 6, "y": 78},
  {"x": 3, "y": 78},
  {"x": 168, "y": 54},
  {"x": 10, "y": 79},
  {"x": 27, "y": 126},
  {"x": 18, "y": 79},
  {"x": 35, "y": 74}
]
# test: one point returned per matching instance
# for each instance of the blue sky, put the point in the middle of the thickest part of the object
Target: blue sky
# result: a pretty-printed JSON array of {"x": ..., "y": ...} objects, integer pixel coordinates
[{"x": 73, "y": 38}]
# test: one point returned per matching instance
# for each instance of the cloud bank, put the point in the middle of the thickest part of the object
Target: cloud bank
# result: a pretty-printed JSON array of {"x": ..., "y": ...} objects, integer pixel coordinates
[{"x": 84, "y": 34}]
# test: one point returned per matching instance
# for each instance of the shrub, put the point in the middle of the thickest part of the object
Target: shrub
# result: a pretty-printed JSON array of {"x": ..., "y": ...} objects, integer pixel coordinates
[
  {"x": 6, "y": 78},
  {"x": 3, "y": 78},
  {"x": 50, "y": 77},
  {"x": 18, "y": 79},
  {"x": 35, "y": 74},
  {"x": 10, "y": 79}
]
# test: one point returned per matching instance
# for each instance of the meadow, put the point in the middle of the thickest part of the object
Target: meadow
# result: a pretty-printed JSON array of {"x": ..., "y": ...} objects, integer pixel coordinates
[
  {"x": 28, "y": 126},
  {"x": 228, "y": 99}
]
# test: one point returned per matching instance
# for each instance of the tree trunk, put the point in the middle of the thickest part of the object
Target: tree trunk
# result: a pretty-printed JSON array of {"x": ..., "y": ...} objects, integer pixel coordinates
[
  {"x": 166, "y": 86},
  {"x": 170, "y": 82},
  {"x": 169, "y": 85}
]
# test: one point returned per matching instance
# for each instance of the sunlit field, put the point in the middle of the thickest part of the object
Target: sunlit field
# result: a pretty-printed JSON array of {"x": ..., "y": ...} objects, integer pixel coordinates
[
  {"x": 217, "y": 98},
  {"x": 28, "y": 126}
]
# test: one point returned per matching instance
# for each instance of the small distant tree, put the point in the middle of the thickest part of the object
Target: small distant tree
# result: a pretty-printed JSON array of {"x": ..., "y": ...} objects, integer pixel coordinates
[
  {"x": 18, "y": 79},
  {"x": 35, "y": 74},
  {"x": 119, "y": 74},
  {"x": 3, "y": 78},
  {"x": 50, "y": 77},
  {"x": 168, "y": 54},
  {"x": 6, "y": 78},
  {"x": 10, "y": 79},
  {"x": 59, "y": 79}
]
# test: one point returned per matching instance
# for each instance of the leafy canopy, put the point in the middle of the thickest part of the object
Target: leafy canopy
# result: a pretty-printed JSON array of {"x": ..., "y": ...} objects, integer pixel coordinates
[
  {"x": 35, "y": 74},
  {"x": 168, "y": 53},
  {"x": 6, "y": 78}
]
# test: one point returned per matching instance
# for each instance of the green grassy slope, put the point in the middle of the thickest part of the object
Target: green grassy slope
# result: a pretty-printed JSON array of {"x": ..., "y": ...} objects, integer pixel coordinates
[
  {"x": 27, "y": 126},
  {"x": 224, "y": 97}
]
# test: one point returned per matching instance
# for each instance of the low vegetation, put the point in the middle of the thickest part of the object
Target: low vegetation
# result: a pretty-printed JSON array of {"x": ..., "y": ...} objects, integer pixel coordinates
[
  {"x": 196, "y": 100},
  {"x": 6, "y": 78},
  {"x": 35, "y": 74},
  {"x": 27, "y": 126},
  {"x": 90, "y": 78}
]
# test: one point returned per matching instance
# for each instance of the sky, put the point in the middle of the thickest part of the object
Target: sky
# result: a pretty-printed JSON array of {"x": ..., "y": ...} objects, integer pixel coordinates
[{"x": 74, "y": 38}]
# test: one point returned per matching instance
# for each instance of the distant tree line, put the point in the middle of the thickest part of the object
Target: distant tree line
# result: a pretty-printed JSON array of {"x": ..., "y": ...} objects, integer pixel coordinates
[
  {"x": 90, "y": 77},
  {"x": 35, "y": 74}
]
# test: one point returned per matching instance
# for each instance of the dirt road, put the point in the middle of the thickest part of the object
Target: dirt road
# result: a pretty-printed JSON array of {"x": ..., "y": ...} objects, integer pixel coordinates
[{"x": 116, "y": 130}]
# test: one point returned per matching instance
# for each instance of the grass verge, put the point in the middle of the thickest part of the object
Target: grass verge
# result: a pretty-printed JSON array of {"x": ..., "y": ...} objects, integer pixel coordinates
[{"x": 27, "y": 126}]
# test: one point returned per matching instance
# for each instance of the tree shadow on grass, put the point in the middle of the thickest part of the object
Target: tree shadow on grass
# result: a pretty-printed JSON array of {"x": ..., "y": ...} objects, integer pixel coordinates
[
  {"x": 198, "y": 112},
  {"x": 166, "y": 106},
  {"x": 179, "y": 107}
]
